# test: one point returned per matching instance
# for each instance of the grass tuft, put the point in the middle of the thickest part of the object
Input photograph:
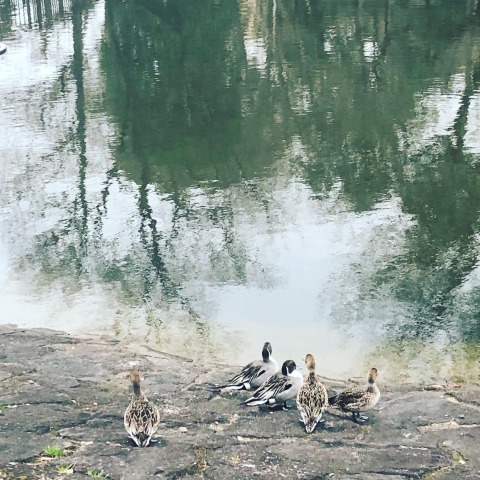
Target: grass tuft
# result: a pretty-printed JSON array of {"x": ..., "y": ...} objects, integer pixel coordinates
[
  {"x": 91, "y": 472},
  {"x": 54, "y": 452},
  {"x": 65, "y": 468}
]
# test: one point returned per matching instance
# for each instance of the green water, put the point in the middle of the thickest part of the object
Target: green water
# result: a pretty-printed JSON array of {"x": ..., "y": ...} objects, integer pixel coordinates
[{"x": 207, "y": 176}]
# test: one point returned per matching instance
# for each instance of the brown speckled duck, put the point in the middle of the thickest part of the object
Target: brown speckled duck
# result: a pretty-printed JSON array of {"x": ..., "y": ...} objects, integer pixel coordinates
[
  {"x": 141, "y": 417},
  {"x": 357, "y": 399},
  {"x": 312, "y": 398}
]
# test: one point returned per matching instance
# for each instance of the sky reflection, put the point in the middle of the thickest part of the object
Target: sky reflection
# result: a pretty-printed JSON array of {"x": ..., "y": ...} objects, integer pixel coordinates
[{"x": 313, "y": 187}]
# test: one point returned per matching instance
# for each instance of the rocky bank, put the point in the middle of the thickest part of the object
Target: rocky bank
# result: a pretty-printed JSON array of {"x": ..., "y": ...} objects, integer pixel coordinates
[{"x": 60, "y": 391}]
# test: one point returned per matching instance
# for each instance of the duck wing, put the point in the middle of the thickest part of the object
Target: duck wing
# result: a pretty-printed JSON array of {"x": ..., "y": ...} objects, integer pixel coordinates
[
  {"x": 270, "y": 389},
  {"x": 248, "y": 373},
  {"x": 349, "y": 397},
  {"x": 141, "y": 421},
  {"x": 312, "y": 398}
]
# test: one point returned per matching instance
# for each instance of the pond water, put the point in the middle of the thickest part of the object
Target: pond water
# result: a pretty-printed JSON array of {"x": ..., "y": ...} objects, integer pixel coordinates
[{"x": 204, "y": 178}]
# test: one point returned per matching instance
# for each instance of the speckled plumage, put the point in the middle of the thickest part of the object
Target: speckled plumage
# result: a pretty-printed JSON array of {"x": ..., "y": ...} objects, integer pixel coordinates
[
  {"x": 358, "y": 398},
  {"x": 141, "y": 417},
  {"x": 312, "y": 398}
]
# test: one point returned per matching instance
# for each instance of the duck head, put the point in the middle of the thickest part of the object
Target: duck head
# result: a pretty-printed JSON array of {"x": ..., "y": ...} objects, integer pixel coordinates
[
  {"x": 267, "y": 351},
  {"x": 135, "y": 379},
  {"x": 310, "y": 362},
  {"x": 372, "y": 376},
  {"x": 288, "y": 367}
]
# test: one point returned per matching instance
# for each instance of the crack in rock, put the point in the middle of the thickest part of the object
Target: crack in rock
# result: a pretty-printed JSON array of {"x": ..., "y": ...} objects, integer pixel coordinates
[{"x": 451, "y": 425}]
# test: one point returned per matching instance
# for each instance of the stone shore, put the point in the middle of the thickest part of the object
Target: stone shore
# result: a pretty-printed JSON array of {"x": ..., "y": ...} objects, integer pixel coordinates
[{"x": 57, "y": 390}]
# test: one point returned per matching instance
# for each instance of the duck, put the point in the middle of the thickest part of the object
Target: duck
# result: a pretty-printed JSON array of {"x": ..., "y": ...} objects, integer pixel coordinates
[
  {"x": 254, "y": 374},
  {"x": 141, "y": 417},
  {"x": 279, "y": 388},
  {"x": 312, "y": 398},
  {"x": 358, "y": 398}
]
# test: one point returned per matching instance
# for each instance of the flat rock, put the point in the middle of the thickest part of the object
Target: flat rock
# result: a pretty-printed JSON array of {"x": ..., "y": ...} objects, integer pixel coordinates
[{"x": 57, "y": 390}]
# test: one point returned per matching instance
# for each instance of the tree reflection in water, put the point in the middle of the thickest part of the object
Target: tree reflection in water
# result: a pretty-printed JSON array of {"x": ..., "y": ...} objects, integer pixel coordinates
[{"x": 218, "y": 113}]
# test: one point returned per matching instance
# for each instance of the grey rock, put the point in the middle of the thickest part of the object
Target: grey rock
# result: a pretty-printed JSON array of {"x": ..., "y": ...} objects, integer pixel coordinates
[{"x": 72, "y": 392}]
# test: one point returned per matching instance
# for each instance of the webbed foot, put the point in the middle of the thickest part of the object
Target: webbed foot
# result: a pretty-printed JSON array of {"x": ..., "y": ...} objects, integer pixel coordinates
[{"x": 357, "y": 418}]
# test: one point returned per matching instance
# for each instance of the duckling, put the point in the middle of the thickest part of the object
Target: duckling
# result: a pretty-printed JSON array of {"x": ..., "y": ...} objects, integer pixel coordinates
[
  {"x": 312, "y": 398},
  {"x": 356, "y": 399},
  {"x": 141, "y": 417},
  {"x": 279, "y": 388},
  {"x": 254, "y": 374}
]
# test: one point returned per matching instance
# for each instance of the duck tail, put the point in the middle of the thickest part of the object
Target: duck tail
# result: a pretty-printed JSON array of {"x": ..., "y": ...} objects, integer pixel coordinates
[
  {"x": 213, "y": 387},
  {"x": 216, "y": 387},
  {"x": 235, "y": 387},
  {"x": 253, "y": 402}
]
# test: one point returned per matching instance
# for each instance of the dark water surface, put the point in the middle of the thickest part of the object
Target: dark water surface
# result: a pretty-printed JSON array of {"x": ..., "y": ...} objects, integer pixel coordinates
[{"x": 206, "y": 176}]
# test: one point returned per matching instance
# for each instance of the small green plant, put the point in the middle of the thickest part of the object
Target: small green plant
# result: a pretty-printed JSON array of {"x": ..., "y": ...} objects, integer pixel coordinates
[
  {"x": 91, "y": 472},
  {"x": 65, "y": 468},
  {"x": 54, "y": 452},
  {"x": 3, "y": 406}
]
